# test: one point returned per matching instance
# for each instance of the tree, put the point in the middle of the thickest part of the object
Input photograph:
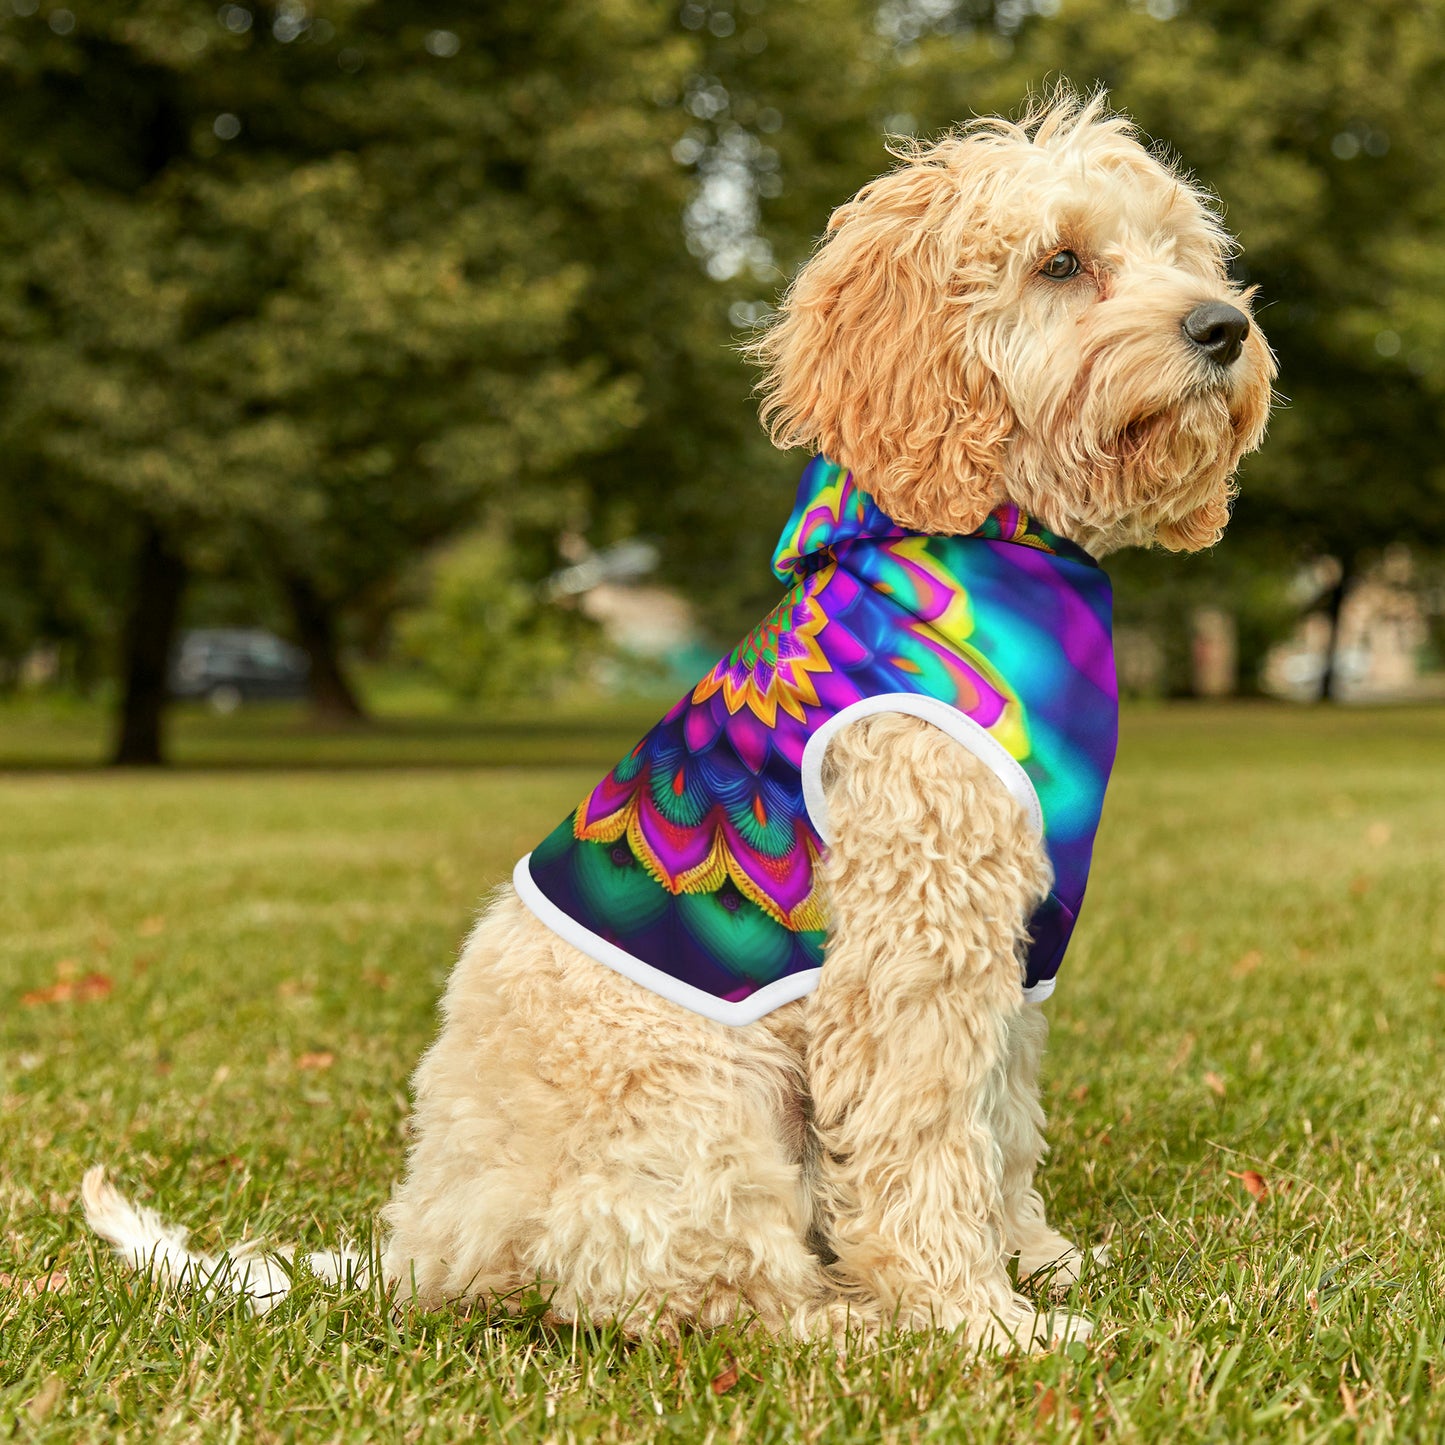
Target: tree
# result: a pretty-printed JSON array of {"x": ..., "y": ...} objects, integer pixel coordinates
[
  {"x": 295, "y": 281},
  {"x": 775, "y": 120},
  {"x": 325, "y": 284}
]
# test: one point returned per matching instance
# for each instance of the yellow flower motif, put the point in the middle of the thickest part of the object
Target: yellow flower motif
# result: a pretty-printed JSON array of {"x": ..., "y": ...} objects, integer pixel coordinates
[{"x": 770, "y": 668}]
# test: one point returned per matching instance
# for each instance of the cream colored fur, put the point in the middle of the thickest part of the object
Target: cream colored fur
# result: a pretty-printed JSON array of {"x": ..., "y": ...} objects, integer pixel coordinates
[
  {"x": 866, "y": 1156},
  {"x": 577, "y": 1133}
]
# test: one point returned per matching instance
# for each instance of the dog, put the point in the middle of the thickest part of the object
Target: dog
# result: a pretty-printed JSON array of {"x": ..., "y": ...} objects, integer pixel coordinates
[{"x": 766, "y": 1046}]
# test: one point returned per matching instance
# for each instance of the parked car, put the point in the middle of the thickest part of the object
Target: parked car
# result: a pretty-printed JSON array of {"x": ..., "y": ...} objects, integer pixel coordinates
[{"x": 230, "y": 665}]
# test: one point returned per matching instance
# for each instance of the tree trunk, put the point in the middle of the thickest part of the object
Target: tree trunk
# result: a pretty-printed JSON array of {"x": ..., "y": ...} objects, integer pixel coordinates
[
  {"x": 150, "y": 630},
  {"x": 1329, "y": 676},
  {"x": 333, "y": 699}
]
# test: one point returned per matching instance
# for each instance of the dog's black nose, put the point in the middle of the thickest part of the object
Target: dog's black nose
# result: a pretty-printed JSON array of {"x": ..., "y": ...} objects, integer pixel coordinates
[{"x": 1217, "y": 330}]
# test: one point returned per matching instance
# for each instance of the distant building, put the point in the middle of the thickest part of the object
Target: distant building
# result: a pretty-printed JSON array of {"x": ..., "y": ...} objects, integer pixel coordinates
[
  {"x": 653, "y": 631},
  {"x": 1382, "y": 648}
]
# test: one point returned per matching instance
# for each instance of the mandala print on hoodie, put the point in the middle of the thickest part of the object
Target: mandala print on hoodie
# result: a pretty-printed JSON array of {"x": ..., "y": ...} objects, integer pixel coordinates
[{"x": 692, "y": 867}]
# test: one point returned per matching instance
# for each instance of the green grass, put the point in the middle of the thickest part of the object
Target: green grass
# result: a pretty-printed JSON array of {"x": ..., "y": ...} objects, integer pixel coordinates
[
  {"x": 411, "y": 728},
  {"x": 1257, "y": 985}
]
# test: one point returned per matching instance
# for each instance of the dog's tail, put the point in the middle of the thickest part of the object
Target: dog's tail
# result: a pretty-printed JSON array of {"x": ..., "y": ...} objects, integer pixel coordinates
[{"x": 147, "y": 1243}]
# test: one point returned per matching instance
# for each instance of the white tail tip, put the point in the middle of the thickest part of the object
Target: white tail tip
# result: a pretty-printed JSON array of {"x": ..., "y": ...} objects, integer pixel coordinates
[{"x": 147, "y": 1243}]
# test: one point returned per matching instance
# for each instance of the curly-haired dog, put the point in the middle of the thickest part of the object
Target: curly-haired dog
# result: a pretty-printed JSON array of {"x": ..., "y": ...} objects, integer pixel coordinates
[{"x": 1016, "y": 352}]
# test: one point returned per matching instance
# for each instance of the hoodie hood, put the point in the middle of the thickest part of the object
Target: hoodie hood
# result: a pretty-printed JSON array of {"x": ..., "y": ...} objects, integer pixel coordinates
[{"x": 833, "y": 512}]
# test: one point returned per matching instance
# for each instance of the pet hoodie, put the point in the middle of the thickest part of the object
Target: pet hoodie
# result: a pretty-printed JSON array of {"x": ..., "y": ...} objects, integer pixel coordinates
[{"x": 692, "y": 867}]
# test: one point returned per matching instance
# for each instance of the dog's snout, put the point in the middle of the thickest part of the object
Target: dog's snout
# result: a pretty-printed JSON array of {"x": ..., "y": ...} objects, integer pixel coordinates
[{"x": 1218, "y": 330}]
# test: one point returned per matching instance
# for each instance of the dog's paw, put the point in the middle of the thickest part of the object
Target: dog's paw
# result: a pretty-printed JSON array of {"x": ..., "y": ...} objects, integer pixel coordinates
[
  {"x": 1057, "y": 1328},
  {"x": 1057, "y": 1267},
  {"x": 1023, "y": 1326}
]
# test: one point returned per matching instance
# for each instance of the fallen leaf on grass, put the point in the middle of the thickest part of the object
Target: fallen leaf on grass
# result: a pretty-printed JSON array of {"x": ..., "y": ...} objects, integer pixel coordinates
[
  {"x": 46, "y": 1398},
  {"x": 377, "y": 979},
  {"x": 1359, "y": 886},
  {"x": 56, "y": 1282},
  {"x": 1045, "y": 1409},
  {"x": 66, "y": 990},
  {"x": 1254, "y": 1182},
  {"x": 1248, "y": 964},
  {"x": 1214, "y": 1083},
  {"x": 1440, "y": 980},
  {"x": 321, "y": 1059},
  {"x": 1080, "y": 1094},
  {"x": 1047, "y": 1405},
  {"x": 724, "y": 1382},
  {"x": 1181, "y": 1054}
]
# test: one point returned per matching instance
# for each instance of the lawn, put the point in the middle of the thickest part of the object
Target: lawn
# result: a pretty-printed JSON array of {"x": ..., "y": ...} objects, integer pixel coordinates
[{"x": 216, "y": 980}]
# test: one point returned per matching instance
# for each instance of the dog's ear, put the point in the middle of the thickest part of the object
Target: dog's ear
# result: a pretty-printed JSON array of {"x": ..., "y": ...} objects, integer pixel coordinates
[{"x": 871, "y": 359}]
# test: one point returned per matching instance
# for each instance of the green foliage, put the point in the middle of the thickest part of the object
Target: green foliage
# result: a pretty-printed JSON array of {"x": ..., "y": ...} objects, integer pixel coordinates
[
  {"x": 483, "y": 632},
  {"x": 322, "y": 285},
  {"x": 778, "y": 120},
  {"x": 59, "y": 571},
  {"x": 303, "y": 292}
]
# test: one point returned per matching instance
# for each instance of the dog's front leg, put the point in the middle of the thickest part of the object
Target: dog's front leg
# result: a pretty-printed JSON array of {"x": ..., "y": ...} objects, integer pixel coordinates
[
  {"x": 933, "y": 873},
  {"x": 1042, "y": 1251}
]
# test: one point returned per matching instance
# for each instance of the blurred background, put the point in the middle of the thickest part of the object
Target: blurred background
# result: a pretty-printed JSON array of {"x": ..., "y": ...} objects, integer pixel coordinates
[{"x": 365, "y": 361}]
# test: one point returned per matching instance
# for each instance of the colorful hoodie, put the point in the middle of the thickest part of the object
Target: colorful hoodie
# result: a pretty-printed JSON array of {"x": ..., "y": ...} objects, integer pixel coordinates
[{"x": 692, "y": 867}]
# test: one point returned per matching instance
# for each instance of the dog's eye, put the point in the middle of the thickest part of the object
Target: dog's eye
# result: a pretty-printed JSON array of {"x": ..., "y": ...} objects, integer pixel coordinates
[{"x": 1060, "y": 266}]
